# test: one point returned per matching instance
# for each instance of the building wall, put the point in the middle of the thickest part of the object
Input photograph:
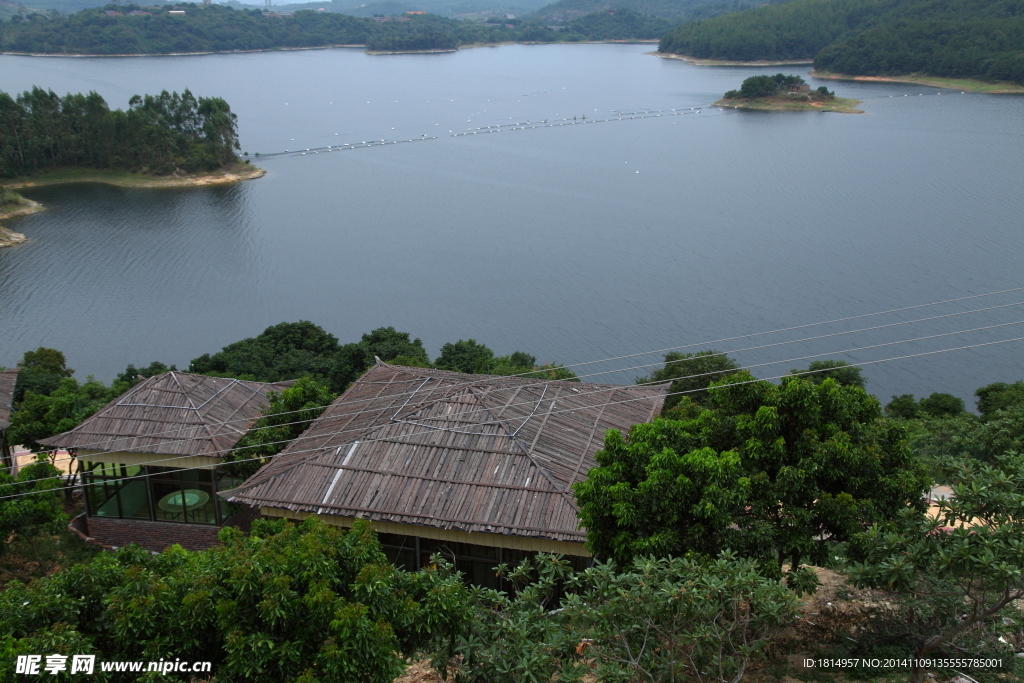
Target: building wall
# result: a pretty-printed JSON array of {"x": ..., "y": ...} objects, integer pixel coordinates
[{"x": 155, "y": 536}]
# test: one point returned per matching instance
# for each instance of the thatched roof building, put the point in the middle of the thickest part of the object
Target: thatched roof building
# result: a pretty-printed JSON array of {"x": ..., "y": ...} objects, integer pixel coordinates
[
  {"x": 149, "y": 459},
  {"x": 471, "y": 459},
  {"x": 172, "y": 414}
]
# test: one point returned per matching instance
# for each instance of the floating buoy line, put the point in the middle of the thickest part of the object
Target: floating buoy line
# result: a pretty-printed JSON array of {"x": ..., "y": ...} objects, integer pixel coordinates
[{"x": 497, "y": 128}]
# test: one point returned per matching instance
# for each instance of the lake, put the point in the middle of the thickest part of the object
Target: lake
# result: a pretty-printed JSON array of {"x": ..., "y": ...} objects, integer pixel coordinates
[{"x": 652, "y": 225}]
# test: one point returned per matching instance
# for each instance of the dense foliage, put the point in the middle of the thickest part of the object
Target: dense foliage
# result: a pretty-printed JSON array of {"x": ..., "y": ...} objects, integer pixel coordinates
[
  {"x": 216, "y": 28},
  {"x": 470, "y": 356},
  {"x": 691, "y": 374},
  {"x": 769, "y": 471},
  {"x": 954, "y": 572},
  {"x": 309, "y": 603},
  {"x": 653, "y": 620},
  {"x": 158, "y": 134},
  {"x": 935, "y": 405},
  {"x": 666, "y": 9},
  {"x": 288, "y": 414},
  {"x": 965, "y": 39},
  {"x": 30, "y": 502},
  {"x": 291, "y": 350},
  {"x": 618, "y": 24}
]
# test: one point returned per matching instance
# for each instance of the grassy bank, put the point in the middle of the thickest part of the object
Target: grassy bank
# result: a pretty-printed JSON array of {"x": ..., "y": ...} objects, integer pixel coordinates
[
  {"x": 839, "y": 105},
  {"x": 228, "y": 174},
  {"x": 961, "y": 84}
]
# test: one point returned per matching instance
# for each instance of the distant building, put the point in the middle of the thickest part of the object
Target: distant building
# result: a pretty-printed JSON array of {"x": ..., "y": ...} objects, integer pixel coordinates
[
  {"x": 176, "y": 12},
  {"x": 138, "y": 13},
  {"x": 415, "y": 12},
  {"x": 112, "y": 13},
  {"x": 803, "y": 87}
]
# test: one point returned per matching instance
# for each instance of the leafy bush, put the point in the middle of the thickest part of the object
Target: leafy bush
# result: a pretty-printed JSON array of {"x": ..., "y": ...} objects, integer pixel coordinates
[
  {"x": 657, "y": 620},
  {"x": 285, "y": 603},
  {"x": 952, "y": 575}
]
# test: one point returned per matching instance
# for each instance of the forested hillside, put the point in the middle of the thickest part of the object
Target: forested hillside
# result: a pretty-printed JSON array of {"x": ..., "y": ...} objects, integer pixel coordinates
[
  {"x": 960, "y": 39},
  {"x": 218, "y": 28},
  {"x": 563, "y": 10},
  {"x": 158, "y": 134}
]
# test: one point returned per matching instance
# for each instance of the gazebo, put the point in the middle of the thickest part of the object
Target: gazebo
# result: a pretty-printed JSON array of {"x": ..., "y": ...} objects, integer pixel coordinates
[{"x": 149, "y": 459}]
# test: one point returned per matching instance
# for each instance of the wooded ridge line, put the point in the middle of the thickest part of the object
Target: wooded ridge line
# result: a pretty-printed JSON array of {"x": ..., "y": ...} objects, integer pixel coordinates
[{"x": 974, "y": 39}]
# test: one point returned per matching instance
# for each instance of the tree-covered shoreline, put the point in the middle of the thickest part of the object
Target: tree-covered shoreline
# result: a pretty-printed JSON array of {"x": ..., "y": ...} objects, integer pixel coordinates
[
  {"x": 977, "y": 39},
  {"x": 158, "y": 134},
  {"x": 133, "y": 30}
]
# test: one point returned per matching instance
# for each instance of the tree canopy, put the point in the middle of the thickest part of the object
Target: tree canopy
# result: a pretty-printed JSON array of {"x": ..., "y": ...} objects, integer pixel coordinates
[
  {"x": 839, "y": 370},
  {"x": 768, "y": 471},
  {"x": 217, "y": 28},
  {"x": 691, "y": 374},
  {"x": 284, "y": 603},
  {"x": 981, "y": 39},
  {"x": 288, "y": 414},
  {"x": 952, "y": 572},
  {"x": 159, "y": 134}
]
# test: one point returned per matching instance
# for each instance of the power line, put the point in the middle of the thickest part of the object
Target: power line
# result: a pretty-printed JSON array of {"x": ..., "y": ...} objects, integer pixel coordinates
[
  {"x": 688, "y": 391},
  {"x": 543, "y": 383},
  {"x": 638, "y": 367}
]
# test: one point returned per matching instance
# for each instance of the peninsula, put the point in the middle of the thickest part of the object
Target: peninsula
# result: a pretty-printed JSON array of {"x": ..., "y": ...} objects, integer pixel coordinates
[
  {"x": 785, "y": 93},
  {"x": 165, "y": 140}
]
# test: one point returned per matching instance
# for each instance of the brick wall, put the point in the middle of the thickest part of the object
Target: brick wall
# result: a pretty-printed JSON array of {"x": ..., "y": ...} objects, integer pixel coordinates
[{"x": 156, "y": 536}]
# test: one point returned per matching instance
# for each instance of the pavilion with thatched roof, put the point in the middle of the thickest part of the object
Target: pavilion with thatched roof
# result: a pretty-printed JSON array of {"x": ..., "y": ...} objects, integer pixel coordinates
[
  {"x": 149, "y": 459},
  {"x": 477, "y": 467}
]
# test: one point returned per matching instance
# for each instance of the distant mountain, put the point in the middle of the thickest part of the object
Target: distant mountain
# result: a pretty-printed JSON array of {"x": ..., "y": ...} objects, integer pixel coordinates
[
  {"x": 982, "y": 39},
  {"x": 564, "y": 10}
]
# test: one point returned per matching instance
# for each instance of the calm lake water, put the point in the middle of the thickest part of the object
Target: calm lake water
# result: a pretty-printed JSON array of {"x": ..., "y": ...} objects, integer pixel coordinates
[{"x": 633, "y": 232}]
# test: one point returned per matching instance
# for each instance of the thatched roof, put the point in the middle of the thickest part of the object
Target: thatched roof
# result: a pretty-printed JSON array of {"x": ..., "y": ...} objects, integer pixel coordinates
[
  {"x": 475, "y": 453},
  {"x": 7, "y": 379},
  {"x": 176, "y": 413}
]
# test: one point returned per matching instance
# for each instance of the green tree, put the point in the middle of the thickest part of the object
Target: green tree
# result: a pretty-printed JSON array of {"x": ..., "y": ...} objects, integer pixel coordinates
[
  {"x": 660, "y": 493},
  {"x": 284, "y": 603},
  {"x": 968, "y": 560},
  {"x": 654, "y": 619},
  {"x": 464, "y": 356},
  {"x": 903, "y": 406},
  {"x": 133, "y": 375},
  {"x": 816, "y": 465},
  {"x": 839, "y": 370},
  {"x": 942, "y": 405},
  {"x": 31, "y": 502},
  {"x": 281, "y": 352},
  {"x": 41, "y": 373},
  {"x": 386, "y": 343},
  {"x": 999, "y": 396},
  {"x": 691, "y": 374},
  {"x": 40, "y": 416},
  {"x": 288, "y": 414}
]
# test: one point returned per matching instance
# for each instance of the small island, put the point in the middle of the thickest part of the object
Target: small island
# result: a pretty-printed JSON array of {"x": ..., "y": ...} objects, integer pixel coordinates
[
  {"x": 165, "y": 140},
  {"x": 785, "y": 93}
]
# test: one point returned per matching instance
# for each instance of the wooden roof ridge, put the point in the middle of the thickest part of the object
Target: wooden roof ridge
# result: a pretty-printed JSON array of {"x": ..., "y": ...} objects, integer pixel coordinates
[
  {"x": 162, "y": 408},
  {"x": 287, "y": 460},
  {"x": 481, "y": 453}
]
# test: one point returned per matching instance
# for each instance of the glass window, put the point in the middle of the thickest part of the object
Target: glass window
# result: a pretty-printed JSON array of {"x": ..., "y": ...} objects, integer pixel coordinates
[
  {"x": 115, "y": 490},
  {"x": 183, "y": 495}
]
